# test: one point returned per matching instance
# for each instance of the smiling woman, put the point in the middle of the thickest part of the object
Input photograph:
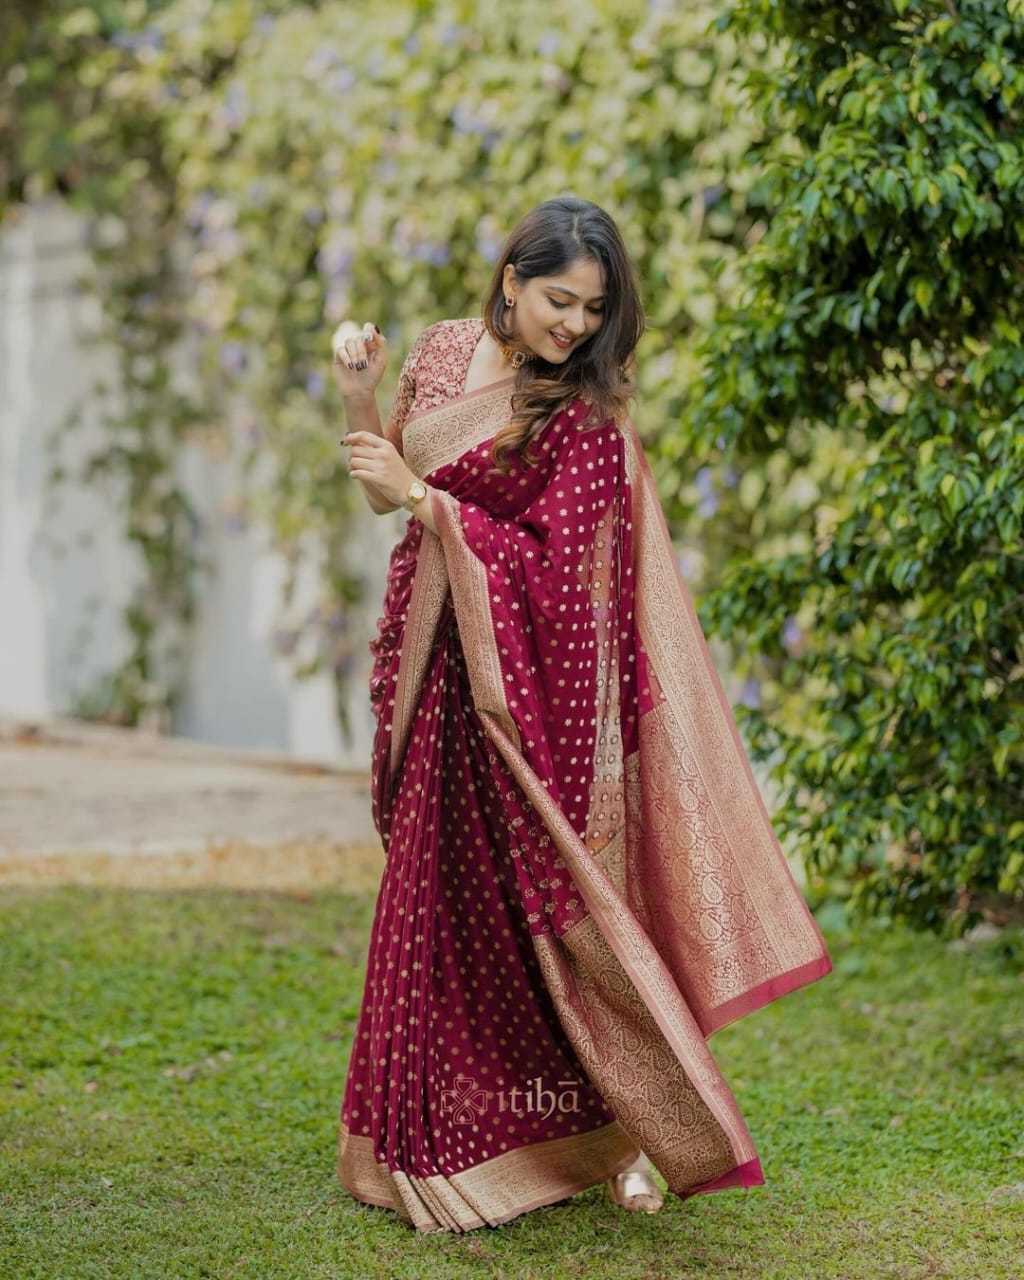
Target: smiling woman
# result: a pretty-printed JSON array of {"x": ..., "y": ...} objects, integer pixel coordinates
[
  {"x": 582, "y": 882},
  {"x": 551, "y": 309}
]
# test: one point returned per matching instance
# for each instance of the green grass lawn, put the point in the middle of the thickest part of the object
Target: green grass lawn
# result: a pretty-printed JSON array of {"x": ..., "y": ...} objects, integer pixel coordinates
[{"x": 171, "y": 1066}]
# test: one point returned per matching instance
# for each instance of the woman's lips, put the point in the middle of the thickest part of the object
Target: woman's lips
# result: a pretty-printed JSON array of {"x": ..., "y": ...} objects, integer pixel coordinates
[{"x": 563, "y": 344}]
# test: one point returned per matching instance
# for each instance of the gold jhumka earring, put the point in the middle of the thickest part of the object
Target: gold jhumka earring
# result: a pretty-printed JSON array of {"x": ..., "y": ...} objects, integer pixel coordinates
[{"x": 516, "y": 358}]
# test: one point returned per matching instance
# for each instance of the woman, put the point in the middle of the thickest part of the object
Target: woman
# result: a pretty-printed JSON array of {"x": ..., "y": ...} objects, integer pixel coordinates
[{"x": 582, "y": 882}]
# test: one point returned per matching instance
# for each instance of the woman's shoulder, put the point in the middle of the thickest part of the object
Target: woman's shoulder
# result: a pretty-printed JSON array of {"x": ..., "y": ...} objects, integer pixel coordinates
[
  {"x": 440, "y": 360},
  {"x": 447, "y": 335}
]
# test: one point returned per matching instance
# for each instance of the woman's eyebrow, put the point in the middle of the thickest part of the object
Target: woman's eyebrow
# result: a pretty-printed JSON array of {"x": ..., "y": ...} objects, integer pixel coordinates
[{"x": 557, "y": 288}]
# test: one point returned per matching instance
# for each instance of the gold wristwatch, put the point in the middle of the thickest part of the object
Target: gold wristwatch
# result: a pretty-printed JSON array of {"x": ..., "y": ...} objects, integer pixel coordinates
[{"x": 417, "y": 492}]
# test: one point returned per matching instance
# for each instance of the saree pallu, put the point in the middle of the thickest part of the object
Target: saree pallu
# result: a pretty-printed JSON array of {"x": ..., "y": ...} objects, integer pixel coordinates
[{"x": 582, "y": 882}]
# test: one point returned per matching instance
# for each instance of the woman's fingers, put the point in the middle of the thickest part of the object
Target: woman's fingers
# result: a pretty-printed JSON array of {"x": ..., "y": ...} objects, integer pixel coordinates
[
  {"x": 342, "y": 335},
  {"x": 375, "y": 342},
  {"x": 376, "y": 460},
  {"x": 367, "y": 438},
  {"x": 360, "y": 358},
  {"x": 349, "y": 346},
  {"x": 355, "y": 349},
  {"x": 354, "y": 346}
]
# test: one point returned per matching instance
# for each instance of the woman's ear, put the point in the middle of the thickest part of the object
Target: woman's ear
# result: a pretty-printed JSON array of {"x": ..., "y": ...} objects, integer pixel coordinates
[{"x": 509, "y": 281}]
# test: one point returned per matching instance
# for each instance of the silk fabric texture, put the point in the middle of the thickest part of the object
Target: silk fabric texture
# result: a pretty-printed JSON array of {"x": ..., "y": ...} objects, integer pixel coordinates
[{"x": 582, "y": 882}]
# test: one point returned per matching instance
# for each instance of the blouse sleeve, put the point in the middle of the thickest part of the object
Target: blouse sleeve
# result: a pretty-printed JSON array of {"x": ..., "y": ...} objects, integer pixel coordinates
[{"x": 405, "y": 394}]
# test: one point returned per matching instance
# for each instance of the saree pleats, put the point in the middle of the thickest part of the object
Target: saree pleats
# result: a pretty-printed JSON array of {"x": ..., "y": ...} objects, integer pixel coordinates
[
  {"x": 465, "y": 1103},
  {"x": 582, "y": 882}
]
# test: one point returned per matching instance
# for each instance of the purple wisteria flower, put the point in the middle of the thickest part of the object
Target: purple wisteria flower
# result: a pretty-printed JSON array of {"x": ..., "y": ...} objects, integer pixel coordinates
[
  {"x": 791, "y": 634},
  {"x": 231, "y": 358},
  {"x": 195, "y": 215},
  {"x": 433, "y": 252},
  {"x": 234, "y": 110},
  {"x": 705, "y": 483},
  {"x": 691, "y": 564},
  {"x": 285, "y": 639},
  {"x": 342, "y": 80},
  {"x": 489, "y": 239},
  {"x": 323, "y": 59},
  {"x": 149, "y": 39},
  {"x": 750, "y": 694},
  {"x": 335, "y": 259}
]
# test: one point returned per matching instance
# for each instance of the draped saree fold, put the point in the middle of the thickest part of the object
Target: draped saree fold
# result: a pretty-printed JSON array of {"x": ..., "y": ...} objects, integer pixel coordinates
[{"x": 582, "y": 882}]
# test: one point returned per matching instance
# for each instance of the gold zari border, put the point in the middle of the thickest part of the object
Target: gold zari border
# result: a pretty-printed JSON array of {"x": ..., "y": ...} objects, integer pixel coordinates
[
  {"x": 489, "y": 1193},
  {"x": 438, "y": 437}
]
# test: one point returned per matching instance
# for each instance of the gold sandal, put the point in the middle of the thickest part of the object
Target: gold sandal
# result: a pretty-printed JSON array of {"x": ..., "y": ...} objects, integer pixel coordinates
[{"x": 634, "y": 1189}]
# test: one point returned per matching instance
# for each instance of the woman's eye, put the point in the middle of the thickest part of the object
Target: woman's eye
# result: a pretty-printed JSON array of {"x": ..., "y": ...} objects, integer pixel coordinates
[{"x": 559, "y": 306}]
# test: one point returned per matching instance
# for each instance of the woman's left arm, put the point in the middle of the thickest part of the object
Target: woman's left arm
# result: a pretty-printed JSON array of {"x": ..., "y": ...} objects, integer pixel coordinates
[{"x": 375, "y": 462}]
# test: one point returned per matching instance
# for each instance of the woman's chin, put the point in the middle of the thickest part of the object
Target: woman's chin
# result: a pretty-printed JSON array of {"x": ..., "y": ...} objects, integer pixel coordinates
[{"x": 554, "y": 354}]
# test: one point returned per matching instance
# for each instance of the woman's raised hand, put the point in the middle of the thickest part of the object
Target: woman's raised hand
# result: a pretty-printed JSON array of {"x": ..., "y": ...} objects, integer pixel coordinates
[{"x": 360, "y": 358}]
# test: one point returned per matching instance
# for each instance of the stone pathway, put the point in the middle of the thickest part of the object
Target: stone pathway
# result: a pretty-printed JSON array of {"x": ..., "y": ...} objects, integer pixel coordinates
[{"x": 91, "y": 803}]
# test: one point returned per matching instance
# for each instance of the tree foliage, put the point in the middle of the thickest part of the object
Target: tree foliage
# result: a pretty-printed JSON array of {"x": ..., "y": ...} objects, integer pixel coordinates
[
  {"x": 271, "y": 167},
  {"x": 884, "y": 308}
]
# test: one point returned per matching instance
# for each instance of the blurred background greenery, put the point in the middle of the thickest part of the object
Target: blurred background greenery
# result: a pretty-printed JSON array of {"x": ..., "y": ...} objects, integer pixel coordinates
[{"x": 825, "y": 203}]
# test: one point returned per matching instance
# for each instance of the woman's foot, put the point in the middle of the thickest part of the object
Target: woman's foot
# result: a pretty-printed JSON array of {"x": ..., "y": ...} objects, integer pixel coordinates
[{"x": 634, "y": 1188}]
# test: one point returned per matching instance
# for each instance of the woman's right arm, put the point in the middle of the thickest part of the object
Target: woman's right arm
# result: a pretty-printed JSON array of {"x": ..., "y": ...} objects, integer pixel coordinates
[
  {"x": 360, "y": 358},
  {"x": 362, "y": 414}
]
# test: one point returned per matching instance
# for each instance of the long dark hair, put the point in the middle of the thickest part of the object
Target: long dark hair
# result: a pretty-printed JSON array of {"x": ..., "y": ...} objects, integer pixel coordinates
[{"x": 546, "y": 242}]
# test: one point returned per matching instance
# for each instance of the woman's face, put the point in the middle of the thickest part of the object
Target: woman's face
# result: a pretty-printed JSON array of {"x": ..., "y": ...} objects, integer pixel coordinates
[{"x": 553, "y": 315}]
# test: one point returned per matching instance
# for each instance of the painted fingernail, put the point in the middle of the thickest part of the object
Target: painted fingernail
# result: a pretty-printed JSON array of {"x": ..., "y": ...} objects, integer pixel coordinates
[
  {"x": 361, "y": 364},
  {"x": 377, "y": 327},
  {"x": 351, "y": 365}
]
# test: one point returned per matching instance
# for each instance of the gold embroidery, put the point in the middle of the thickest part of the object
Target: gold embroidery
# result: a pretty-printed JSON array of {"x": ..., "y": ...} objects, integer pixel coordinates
[
  {"x": 440, "y": 436},
  {"x": 638, "y": 961},
  {"x": 611, "y": 857},
  {"x": 489, "y": 1193},
  {"x": 606, "y": 811},
  {"x": 704, "y": 766},
  {"x": 629, "y": 1060},
  {"x": 429, "y": 592},
  {"x": 467, "y": 575}
]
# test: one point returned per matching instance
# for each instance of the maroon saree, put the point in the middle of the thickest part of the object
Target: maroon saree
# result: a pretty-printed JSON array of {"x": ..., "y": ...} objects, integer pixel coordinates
[{"x": 582, "y": 882}]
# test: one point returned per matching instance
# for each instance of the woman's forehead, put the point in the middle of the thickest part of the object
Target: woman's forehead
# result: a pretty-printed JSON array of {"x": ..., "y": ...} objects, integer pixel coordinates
[{"x": 581, "y": 279}]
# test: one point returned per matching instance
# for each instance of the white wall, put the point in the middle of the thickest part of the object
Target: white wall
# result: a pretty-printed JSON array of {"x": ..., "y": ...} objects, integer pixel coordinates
[{"x": 66, "y": 573}]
